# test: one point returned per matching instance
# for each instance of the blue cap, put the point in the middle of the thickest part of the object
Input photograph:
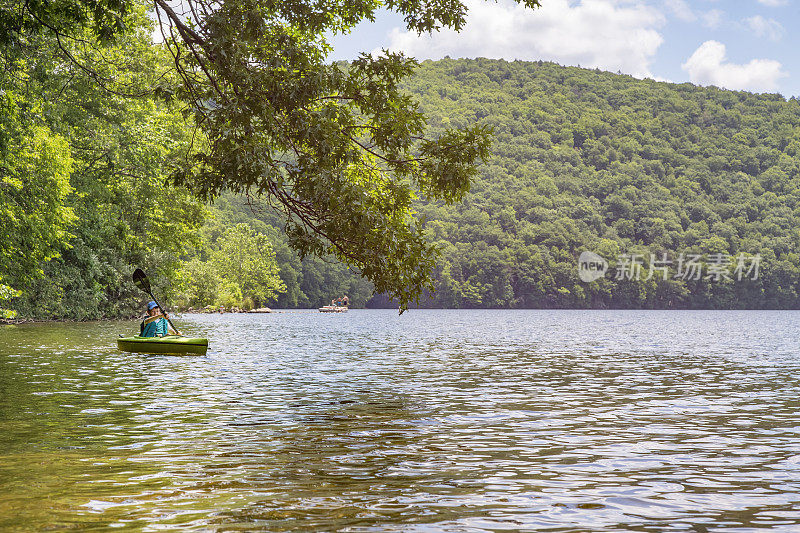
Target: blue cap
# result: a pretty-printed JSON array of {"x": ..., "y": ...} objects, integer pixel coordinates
[{"x": 151, "y": 304}]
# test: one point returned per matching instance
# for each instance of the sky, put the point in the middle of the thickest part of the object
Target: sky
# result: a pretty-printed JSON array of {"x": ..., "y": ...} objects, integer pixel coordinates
[{"x": 747, "y": 45}]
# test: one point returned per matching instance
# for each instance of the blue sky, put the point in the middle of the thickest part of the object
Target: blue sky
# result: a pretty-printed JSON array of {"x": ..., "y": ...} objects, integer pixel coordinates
[{"x": 738, "y": 44}]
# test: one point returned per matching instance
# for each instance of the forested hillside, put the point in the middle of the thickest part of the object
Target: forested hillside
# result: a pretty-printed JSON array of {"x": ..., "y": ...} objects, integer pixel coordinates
[
  {"x": 582, "y": 160},
  {"x": 590, "y": 160}
]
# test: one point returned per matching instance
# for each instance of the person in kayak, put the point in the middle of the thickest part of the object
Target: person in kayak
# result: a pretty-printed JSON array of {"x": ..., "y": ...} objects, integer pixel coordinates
[{"x": 155, "y": 325}]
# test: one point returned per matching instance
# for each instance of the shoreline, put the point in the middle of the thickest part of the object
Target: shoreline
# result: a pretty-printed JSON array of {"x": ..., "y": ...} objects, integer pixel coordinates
[{"x": 22, "y": 321}]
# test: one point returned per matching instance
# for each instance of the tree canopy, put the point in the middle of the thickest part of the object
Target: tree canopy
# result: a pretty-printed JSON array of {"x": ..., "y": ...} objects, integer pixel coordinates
[
  {"x": 107, "y": 140},
  {"x": 240, "y": 270},
  {"x": 84, "y": 196},
  {"x": 585, "y": 160},
  {"x": 340, "y": 149}
]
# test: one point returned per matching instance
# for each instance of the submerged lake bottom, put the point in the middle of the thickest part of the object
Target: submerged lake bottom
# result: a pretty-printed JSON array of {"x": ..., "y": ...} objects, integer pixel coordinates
[{"x": 451, "y": 421}]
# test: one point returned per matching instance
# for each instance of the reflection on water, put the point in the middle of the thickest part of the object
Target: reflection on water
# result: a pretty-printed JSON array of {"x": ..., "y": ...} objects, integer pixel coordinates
[{"x": 433, "y": 421}]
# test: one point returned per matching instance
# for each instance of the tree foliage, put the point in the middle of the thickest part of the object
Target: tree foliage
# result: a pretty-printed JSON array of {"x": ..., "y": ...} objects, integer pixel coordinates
[
  {"x": 310, "y": 282},
  {"x": 84, "y": 193},
  {"x": 364, "y": 162},
  {"x": 340, "y": 150},
  {"x": 241, "y": 271},
  {"x": 35, "y": 167},
  {"x": 588, "y": 160},
  {"x": 6, "y": 294}
]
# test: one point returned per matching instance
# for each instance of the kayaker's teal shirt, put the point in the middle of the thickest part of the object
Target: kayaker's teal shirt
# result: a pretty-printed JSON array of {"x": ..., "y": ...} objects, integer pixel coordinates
[{"x": 156, "y": 328}]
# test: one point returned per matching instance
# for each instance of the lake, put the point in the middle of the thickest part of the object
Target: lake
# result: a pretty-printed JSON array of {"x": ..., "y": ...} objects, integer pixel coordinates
[{"x": 430, "y": 421}]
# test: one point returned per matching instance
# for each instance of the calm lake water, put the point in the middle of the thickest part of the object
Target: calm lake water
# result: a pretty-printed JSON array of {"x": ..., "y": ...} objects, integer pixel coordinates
[{"x": 430, "y": 421}]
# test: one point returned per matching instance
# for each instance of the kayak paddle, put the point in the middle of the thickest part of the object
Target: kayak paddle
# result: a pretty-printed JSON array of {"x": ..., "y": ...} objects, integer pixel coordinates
[{"x": 141, "y": 281}]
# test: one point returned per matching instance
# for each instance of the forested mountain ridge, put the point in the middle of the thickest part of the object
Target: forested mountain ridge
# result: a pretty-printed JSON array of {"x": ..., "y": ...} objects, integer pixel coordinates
[
  {"x": 585, "y": 160},
  {"x": 590, "y": 160},
  {"x": 582, "y": 160}
]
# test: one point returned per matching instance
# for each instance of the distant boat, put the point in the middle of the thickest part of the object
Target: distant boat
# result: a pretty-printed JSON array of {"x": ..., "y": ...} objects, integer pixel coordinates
[{"x": 333, "y": 309}]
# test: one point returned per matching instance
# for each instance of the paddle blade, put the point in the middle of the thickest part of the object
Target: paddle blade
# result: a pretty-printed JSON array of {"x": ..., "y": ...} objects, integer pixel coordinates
[{"x": 141, "y": 281}]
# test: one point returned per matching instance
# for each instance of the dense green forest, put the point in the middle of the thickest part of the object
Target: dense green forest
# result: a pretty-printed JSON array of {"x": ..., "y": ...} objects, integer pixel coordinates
[
  {"x": 590, "y": 160},
  {"x": 581, "y": 160},
  {"x": 84, "y": 193},
  {"x": 304, "y": 283}
]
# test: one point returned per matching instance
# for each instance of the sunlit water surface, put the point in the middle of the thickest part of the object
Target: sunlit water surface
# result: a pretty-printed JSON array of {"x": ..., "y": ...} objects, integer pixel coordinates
[{"x": 430, "y": 421}]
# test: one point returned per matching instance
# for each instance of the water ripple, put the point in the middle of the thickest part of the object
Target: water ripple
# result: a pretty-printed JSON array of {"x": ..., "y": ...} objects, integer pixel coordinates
[{"x": 433, "y": 421}]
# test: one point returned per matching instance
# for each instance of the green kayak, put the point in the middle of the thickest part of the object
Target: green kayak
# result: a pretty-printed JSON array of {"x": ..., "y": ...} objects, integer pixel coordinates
[{"x": 171, "y": 344}]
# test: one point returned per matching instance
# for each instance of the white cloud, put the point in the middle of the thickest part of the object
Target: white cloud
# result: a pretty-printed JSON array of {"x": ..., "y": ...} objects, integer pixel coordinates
[
  {"x": 708, "y": 66},
  {"x": 713, "y": 18},
  {"x": 593, "y": 33},
  {"x": 681, "y": 10},
  {"x": 769, "y": 28},
  {"x": 773, "y": 3},
  {"x": 659, "y": 78}
]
